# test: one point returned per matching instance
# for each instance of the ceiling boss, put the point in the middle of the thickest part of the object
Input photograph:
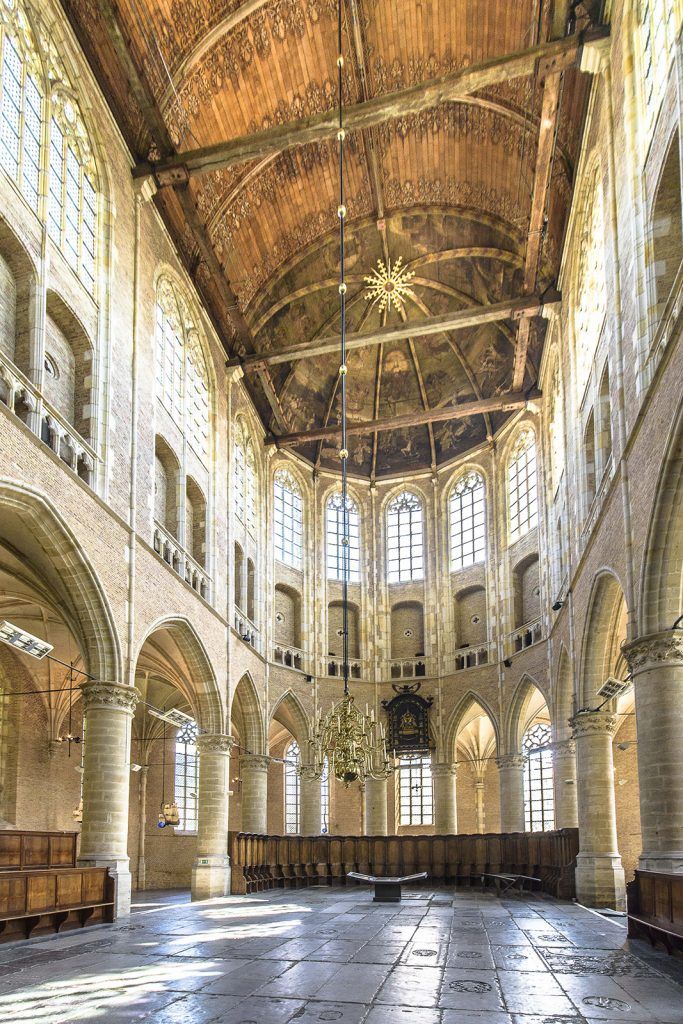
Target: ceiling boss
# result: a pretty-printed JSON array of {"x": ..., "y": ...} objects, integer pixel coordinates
[{"x": 389, "y": 286}]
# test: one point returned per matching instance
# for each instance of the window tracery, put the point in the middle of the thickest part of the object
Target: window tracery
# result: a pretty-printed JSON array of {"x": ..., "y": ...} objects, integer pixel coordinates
[
  {"x": 187, "y": 776},
  {"x": 244, "y": 476},
  {"x": 292, "y": 789},
  {"x": 182, "y": 386},
  {"x": 405, "y": 540},
  {"x": 335, "y": 534},
  {"x": 288, "y": 519},
  {"x": 539, "y": 799},
  {"x": 467, "y": 519},
  {"x": 591, "y": 299},
  {"x": 522, "y": 486}
]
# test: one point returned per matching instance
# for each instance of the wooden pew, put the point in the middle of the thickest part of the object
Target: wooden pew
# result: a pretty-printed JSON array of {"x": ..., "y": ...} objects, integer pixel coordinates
[{"x": 655, "y": 908}]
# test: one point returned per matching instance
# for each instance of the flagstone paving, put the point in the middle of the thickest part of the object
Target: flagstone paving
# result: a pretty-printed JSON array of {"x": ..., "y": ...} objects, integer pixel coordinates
[{"x": 320, "y": 954}]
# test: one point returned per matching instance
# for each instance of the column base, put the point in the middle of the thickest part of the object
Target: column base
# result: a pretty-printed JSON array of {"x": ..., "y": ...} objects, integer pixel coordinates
[
  {"x": 210, "y": 877},
  {"x": 600, "y": 881},
  {"x": 669, "y": 861},
  {"x": 120, "y": 869}
]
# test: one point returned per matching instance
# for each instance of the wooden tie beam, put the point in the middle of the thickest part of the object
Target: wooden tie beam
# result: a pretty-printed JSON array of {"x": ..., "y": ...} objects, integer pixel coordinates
[
  {"x": 503, "y": 403},
  {"x": 510, "y": 309},
  {"x": 554, "y": 57}
]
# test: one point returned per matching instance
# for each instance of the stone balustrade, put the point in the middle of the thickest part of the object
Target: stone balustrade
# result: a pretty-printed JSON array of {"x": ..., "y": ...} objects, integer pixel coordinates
[{"x": 166, "y": 545}]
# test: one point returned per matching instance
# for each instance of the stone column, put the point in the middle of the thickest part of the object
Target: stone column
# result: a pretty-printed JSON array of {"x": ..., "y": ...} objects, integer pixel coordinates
[
  {"x": 564, "y": 784},
  {"x": 376, "y": 807},
  {"x": 254, "y": 776},
  {"x": 479, "y": 807},
  {"x": 511, "y": 771},
  {"x": 211, "y": 869},
  {"x": 443, "y": 788},
  {"x": 310, "y": 807},
  {"x": 142, "y": 828},
  {"x": 656, "y": 662},
  {"x": 108, "y": 710},
  {"x": 599, "y": 873}
]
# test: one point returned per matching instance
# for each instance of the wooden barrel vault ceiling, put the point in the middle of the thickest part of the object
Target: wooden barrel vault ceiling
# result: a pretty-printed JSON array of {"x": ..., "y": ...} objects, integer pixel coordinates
[{"x": 228, "y": 107}]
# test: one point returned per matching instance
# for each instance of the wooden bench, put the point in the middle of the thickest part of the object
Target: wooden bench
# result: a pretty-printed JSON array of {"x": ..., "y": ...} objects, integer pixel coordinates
[
  {"x": 655, "y": 908},
  {"x": 387, "y": 887},
  {"x": 505, "y": 883}
]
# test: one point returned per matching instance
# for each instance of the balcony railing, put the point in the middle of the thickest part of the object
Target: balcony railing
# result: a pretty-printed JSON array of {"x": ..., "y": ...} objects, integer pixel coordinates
[
  {"x": 525, "y": 636},
  {"x": 334, "y": 666},
  {"x": 472, "y": 657},
  {"x": 25, "y": 401},
  {"x": 247, "y": 630},
  {"x": 406, "y": 668},
  {"x": 181, "y": 562},
  {"x": 290, "y": 657},
  {"x": 598, "y": 500}
]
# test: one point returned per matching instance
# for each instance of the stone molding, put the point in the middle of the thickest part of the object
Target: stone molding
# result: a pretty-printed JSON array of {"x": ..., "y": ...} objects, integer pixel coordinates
[
  {"x": 112, "y": 696},
  {"x": 510, "y": 761},
  {"x": 254, "y": 762},
  {"x": 443, "y": 771},
  {"x": 214, "y": 743},
  {"x": 655, "y": 649},
  {"x": 590, "y": 723}
]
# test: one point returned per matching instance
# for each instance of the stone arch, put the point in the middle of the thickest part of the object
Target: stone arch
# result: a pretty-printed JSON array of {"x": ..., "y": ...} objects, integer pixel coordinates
[
  {"x": 198, "y": 684},
  {"x": 290, "y": 712},
  {"x": 17, "y": 275},
  {"x": 661, "y": 588},
  {"x": 452, "y": 728},
  {"x": 246, "y": 715},
  {"x": 519, "y": 710},
  {"x": 604, "y": 632},
  {"x": 563, "y": 694},
  {"x": 33, "y": 527}
]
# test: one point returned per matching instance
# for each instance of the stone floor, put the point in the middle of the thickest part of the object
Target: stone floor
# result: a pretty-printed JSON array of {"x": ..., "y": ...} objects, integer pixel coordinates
[{"x": 332, "y": 955}]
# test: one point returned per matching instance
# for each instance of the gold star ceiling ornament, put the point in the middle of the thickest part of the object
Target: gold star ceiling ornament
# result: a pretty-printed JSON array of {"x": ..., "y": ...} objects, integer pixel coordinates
[{"x": 389, "y": 286}]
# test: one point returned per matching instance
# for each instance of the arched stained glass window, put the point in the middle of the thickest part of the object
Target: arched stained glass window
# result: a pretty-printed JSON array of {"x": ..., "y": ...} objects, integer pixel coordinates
[
  {"x": 288, "y": 517},
  {"x": 21, "y": 103},
  {"x": 292, "y": 789},
  {"x": 335, "y": 532},
  {"x": 244, "y": 475},
  {"x": 539, "y": 799},
  {"x": 415, "y": 791},
  {"x": 405, "y": 539},
  {"x": 182, "y": 380},
  {"x": 467, "y": 514},
  {"x": 186, "y": 776},
  {"x": 523, "y": 486}
]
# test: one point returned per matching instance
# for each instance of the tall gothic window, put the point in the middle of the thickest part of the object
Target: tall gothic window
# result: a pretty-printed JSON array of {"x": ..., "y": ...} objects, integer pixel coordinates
[
  {"x": 335, "y": 534},
  {"x": 21, "y": 104},
  {"x": 182, "y": 384},
  {"x": 187, "y": 776},
  {"x": 591, "y": 296},
  {"x": 539, "y": 799},
  {"x": 522, "y": 486},
  {"x": 415, "y": 791},
  {"x": 325, "y": 798},
  {"x": 467, "y": 513},
  {"x": 405, "y": 539},
  {"x": 288, "y": 517},
  {"x": 292, "y": 789},
  {"x": 556, "y": 428},
  {"x": 72, "y": 195}
]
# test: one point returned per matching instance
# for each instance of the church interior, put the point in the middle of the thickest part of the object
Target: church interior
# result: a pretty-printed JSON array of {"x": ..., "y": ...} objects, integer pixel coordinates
[{"x": 341, "y": 511}]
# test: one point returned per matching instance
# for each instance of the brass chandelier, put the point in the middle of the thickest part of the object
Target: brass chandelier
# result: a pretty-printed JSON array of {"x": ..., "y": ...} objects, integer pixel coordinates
[{"x": 347, "y": 742}]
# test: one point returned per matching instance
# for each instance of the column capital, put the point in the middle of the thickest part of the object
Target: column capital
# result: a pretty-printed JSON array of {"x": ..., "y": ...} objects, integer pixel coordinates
[
  {"x": 590, "y": 723},
  {"x": 655, "y": 649},
  {"x": 217, "y": 743},
  {"x": 255, "y": 762},
  {"x": 98, "y": 693},
  {"x": 511, "y": 761},
  {"x": 564, "y": 748},
  {"x": 442, "y": 771}
]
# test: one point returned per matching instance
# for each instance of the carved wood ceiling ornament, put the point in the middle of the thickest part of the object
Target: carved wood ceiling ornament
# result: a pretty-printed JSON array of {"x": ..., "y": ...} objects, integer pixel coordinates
[{"x": 471, "y": 176}]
